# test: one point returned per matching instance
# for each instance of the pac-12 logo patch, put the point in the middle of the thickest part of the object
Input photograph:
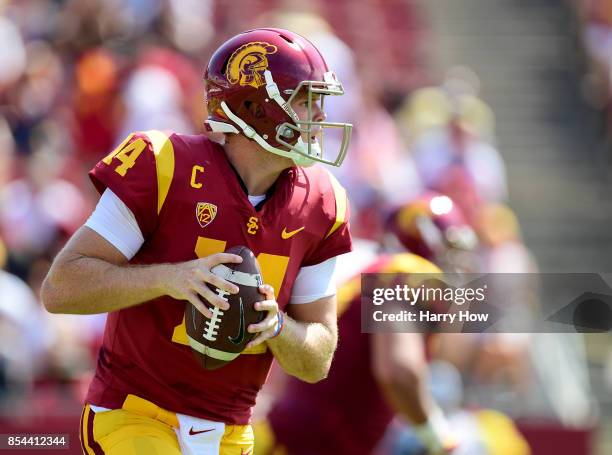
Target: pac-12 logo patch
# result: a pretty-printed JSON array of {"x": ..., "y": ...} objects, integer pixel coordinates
[
  {"x": 246, "y": 66},
  {"x": 205, "y": 213}
]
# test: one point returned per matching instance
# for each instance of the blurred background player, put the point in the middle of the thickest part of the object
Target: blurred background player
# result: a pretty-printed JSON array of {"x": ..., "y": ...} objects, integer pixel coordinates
[
  {"x": 433, "y": 226},
  {"x": 373, "y": 376},
  {"x": 376, "y": 376}
]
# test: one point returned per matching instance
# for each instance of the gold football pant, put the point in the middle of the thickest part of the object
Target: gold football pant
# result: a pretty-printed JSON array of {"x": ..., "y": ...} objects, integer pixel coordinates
[{"x": 143, "y": 428}]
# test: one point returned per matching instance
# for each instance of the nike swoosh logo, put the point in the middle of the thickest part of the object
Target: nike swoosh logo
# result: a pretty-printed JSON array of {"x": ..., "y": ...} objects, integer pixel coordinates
[
  {"x": 286, "y": 235},
  {"x": 191, "y": 432},
  {"x": 239, "y": 338}
]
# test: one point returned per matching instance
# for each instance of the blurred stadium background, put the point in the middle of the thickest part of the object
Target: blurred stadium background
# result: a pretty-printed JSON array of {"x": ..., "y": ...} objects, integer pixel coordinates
[{"x": 502, "y": 104}]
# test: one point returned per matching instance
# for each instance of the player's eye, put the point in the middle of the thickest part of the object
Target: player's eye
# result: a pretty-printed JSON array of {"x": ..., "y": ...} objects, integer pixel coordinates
[{"x": 314, "y": 101}]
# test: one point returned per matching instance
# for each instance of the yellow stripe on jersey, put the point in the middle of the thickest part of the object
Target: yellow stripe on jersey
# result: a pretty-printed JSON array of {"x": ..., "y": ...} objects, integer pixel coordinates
[
  {"x": 417, "y": 268},
  {"x": 340, "y": 195},
  {"x": 398, "y": 263},
  {"x": 346, "y": 294},
  {"x": 164, "y": 164},
  {"x": 409, "y": 263}
]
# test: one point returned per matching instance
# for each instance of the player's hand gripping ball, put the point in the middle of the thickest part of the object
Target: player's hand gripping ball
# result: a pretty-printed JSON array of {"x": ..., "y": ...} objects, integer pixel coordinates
[{"x": 222, "y": 338}]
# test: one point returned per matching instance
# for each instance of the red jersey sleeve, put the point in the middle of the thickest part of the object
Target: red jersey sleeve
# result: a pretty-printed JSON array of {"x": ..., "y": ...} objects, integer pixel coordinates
[
  {"x": 139, "y": 171},
  {"x": 336, "y": 239}
]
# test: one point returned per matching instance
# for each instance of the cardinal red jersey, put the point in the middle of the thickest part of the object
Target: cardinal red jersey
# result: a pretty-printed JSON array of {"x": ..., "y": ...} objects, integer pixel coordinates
[
  {"x": 189, "y": 203},
  {"x": 345, "y": 413}
]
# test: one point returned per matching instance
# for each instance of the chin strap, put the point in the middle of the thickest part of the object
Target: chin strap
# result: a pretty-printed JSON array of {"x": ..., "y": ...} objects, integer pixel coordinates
[
  {"x": 221, "y": 127},
  {"x": 274, "y": 94},
  {"x": 249, "y": 132}
]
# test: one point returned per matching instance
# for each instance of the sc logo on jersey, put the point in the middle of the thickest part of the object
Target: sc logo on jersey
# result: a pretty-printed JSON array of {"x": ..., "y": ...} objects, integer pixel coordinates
[
  {"x": 247, "y": 64},
  {"x": 205, "y": 213},
  {"x": 252, "y": 225}
]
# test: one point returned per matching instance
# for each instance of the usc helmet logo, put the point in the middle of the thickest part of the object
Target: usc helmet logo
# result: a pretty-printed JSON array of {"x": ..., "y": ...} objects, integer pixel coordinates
[
  {"x": 205, "y": 213},
  {"x": 247, "y": 64},
  {"x": 407, "y": 216}
]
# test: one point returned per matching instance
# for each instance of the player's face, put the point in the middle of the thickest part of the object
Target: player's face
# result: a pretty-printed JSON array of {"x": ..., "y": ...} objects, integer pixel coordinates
[{"x": 300, "y": 106}]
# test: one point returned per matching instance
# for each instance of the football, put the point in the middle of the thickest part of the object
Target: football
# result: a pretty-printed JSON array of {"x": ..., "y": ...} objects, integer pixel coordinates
[{"x": 222, "y": 338}]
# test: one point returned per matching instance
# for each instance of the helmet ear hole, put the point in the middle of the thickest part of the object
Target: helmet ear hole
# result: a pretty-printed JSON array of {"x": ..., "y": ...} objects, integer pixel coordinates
[{"x": 255, "y": 109}]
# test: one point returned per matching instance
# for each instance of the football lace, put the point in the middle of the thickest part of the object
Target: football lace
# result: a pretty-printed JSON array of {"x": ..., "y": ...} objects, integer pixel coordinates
[{"x": 212, "y": 325}]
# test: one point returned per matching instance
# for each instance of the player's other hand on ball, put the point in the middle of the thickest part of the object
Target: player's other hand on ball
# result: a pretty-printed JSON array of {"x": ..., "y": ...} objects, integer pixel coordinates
[
  {"x": 188, "y": 281},
  {"x": 269, "y": 327}
]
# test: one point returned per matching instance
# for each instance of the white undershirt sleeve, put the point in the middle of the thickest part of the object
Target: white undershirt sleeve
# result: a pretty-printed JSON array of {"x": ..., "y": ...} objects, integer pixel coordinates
[
  {"x": 314, "y": 282},
  {"x": 114, "y": 221}
]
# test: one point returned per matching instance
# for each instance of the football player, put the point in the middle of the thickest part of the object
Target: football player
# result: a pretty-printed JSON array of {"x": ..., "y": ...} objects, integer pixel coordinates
[
  {"x": 434, "y": 227},
  {"x": 170, "y": 206},
  {"x": 374, "y": 376}
]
